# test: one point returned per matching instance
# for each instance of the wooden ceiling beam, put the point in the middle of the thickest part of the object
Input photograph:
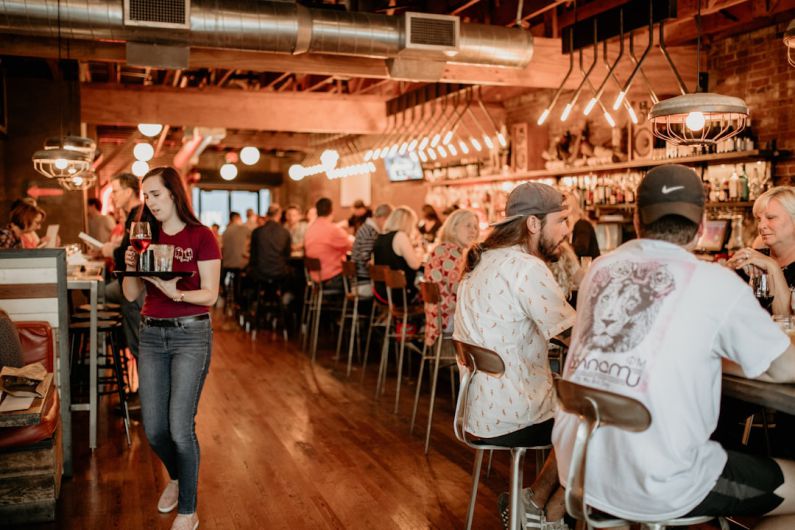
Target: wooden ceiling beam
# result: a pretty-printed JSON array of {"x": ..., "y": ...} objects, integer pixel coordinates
[
  {"x": 233, "y": 109},
  {"x": 546, "y": 69}
]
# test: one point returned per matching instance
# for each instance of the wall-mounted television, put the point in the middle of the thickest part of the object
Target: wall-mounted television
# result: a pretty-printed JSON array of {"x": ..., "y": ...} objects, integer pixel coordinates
[{"x": 402, "y": 168}]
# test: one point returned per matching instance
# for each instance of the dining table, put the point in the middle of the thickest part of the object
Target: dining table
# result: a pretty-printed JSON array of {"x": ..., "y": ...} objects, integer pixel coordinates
[{"x": 777, "y": 396}]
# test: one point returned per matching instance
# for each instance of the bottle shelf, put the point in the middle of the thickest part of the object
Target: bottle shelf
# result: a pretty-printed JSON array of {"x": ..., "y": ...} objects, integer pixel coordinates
[{"x": 717, "y": 158}]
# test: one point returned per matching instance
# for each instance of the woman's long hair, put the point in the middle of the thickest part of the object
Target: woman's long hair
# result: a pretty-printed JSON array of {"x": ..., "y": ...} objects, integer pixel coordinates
[
  {"x": 173, "y": 183},
  {"x": 502, "y": 236}
]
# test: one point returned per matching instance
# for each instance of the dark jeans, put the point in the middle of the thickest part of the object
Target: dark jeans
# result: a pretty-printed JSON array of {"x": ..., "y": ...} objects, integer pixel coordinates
[
  {"x": 172, "y": 366},
  {"x": 130, "y": 311}
]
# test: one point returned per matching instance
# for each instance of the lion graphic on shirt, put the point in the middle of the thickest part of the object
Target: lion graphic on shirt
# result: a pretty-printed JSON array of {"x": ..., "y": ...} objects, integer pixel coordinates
[{"x": 624, "y": 303}]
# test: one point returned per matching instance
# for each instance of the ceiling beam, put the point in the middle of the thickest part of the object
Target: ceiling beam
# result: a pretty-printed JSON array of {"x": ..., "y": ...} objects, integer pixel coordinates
[
  {"x": 214, "y": 107},
  {"x": 546, "y": 69}
]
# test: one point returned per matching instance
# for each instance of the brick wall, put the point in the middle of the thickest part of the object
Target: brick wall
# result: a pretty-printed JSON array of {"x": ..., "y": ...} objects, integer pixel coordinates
[{"x": 753, "y": 66}]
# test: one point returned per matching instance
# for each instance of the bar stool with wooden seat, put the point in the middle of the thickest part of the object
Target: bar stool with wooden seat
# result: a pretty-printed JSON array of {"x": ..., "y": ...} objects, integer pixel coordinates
[
  {"x": 315, "y": 303},
  {"x": 399, "y": 313},
  {"x": 352, "y": 298},
  {"x": 431, "y": 296},
  {"x": 476, "y": 360},
  {"x": 595, "y": 409},
  {"x": 309, "y": 297},
  {"x": 378, "y": 311}
]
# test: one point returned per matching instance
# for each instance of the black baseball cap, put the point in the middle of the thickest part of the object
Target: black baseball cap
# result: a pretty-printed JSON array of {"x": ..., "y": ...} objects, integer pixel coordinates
[
  {"x": 531, "y": 198},
  {"x": 671, "y": 189}
]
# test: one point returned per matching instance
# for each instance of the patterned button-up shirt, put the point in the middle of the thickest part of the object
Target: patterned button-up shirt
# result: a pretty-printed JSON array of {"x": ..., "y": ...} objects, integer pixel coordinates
[{"x": 8, "y": 239}]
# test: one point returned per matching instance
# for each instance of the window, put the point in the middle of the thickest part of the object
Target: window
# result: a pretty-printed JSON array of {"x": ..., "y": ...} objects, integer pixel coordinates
[
  {"x": 214, "y": 206},
  {"x": 240, "y": 201}
]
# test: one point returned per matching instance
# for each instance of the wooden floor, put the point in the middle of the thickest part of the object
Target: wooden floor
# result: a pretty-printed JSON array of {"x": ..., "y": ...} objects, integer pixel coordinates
[{"x": 286, "y": 444}]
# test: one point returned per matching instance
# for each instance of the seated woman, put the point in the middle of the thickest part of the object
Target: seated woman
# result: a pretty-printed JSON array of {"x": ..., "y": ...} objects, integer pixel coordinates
[
  {"x": 20, "y": 232},
  {"x": 393, "y": 248},
  {"x": 775, "y": 214},
  {"x": 445, "y": 266}
]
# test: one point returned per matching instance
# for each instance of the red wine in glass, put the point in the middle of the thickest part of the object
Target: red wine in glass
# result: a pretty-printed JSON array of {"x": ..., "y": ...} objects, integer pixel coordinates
[
  {"x": 140, "y": 244},
  {"x": 140, "y": 238}
]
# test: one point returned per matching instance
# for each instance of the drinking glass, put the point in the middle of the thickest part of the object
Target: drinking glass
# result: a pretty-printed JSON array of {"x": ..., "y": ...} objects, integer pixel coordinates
[
  {"x": 163, "y": 257},
  {"x": 762, "y": 291},
  {"x": 140, "y": 239}
]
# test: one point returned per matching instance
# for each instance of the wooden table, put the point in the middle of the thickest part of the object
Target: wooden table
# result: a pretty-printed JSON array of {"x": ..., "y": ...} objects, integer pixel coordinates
[
  {"x": 777, "y": 396},
  {"x": 32, "y": 414}
]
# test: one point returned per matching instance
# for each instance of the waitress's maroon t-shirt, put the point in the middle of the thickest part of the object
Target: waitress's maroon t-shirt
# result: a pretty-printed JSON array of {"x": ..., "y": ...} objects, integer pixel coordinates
[{"x": 192, "y": 244}]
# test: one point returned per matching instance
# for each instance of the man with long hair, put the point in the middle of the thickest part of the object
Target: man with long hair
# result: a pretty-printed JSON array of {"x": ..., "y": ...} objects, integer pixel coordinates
[{"x": 510, "y": 303}]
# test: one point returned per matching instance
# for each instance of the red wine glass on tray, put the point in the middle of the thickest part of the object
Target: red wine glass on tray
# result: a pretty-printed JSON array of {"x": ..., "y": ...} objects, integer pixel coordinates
[{"x": 140, "y": 238}]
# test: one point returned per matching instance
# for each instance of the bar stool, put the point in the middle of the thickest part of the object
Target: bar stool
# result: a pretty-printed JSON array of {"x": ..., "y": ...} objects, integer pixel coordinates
[
  {"x": 475, "y": 360},
  {"x": 431, "y": 296},
  {"x": 398, "y": 313},
  {"x": 269, "y": 302},
  {"x": 107, "y": 306},
  {"x": 378, "y": 311},
  {"x": 316, "y": 301},
  {"x": 351, "y": 294},
  {"x": 596, "y": 409},
  {"x": 310, "y": 264}
]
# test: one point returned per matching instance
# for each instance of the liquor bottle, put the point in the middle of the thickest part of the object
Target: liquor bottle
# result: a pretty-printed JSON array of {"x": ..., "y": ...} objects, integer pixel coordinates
[
  {"x": 744, "y": 189},
  {"x": 734, "y": 186}
]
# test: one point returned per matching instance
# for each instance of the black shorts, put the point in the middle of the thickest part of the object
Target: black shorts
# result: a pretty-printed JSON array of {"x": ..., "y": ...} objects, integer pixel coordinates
[
  {"x": 745, "y": 487},
  {"x": 530, "y": 436}
]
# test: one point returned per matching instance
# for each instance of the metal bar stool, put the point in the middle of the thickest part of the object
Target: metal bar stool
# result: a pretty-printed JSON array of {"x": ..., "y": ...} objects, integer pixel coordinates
[
  {"x": 377, "y": 274},
  {"x": 596, "y": 409},
  {"x": 399, "y": 312},
  {"x": 310, "y": 294},
  {"x": 431, "y": 296},
  {"x": 476, "y": 360},
  {"x": 351, "y": 294}
]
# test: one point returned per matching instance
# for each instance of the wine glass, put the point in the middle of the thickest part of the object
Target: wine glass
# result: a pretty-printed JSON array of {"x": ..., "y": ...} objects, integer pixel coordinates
[{"x": 140, "y": 239}]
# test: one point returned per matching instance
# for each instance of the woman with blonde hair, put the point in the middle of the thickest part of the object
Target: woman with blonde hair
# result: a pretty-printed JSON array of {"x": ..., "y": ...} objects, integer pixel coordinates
[
  {"x": 775, "y": 213},
  {"x": 394, "y": 249},
  {"x": 445, "y": 267}
]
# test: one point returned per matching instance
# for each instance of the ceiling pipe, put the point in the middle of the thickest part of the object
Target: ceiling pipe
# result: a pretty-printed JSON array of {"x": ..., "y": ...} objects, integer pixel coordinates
[{"x": 266, "y": 26}]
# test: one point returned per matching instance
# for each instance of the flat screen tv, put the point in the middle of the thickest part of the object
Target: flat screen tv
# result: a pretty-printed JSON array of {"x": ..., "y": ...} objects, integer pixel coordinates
[{"x": 402, "y": 168}]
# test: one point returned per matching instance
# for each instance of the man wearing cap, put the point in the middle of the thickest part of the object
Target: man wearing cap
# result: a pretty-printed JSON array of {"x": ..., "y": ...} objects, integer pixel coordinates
[
  {"x": 655, "y": 323},
  {"x": 510, "y": 303}
]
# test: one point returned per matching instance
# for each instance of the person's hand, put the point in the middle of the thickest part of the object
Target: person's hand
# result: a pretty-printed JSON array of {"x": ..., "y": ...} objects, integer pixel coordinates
[
  {"x": 130, "y": 258},
  {"x": 167, "y": 287},
  {"x": 748, "y": 257}
]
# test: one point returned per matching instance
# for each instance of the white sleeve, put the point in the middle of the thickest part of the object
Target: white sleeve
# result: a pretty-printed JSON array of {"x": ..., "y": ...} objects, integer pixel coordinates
[
  {"x": 749, "y": 337},
  {"x": 543, "y": 301}
]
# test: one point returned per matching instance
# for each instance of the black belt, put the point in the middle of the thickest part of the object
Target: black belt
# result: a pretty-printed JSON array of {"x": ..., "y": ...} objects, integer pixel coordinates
[{"x": 173, "y": 322}]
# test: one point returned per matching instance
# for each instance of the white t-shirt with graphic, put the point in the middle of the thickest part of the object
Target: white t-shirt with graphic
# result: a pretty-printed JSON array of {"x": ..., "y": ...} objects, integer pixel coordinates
[
  {"x": 653, "y": 323},
  {"x": 511, "y": 304}
]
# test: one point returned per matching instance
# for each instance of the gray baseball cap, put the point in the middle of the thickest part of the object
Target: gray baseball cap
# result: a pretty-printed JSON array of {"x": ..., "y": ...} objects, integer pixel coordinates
[
  {"x": 670, "y": 189},
  {"x": 531, "y": 198}
]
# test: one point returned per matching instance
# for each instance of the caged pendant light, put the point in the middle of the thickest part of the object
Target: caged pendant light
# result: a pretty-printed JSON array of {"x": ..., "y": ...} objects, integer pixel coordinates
[
  {"x": 789, "y": 41},
  {"x": 698, "y": 118},
  {"x": 64, "y": 156}
]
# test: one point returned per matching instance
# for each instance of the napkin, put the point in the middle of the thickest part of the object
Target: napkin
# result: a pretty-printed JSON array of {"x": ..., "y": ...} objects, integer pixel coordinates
[{"x": 27, "y": 381}]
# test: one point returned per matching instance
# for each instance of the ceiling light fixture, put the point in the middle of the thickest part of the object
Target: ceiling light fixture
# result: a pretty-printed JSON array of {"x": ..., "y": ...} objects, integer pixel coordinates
[
  {"x": 700, "y": 117},
  {"x": 573, "y": 101},
  {"x": 789, "y": 41},
  {"x": 250, "y": 155},
  {"x": 150, "y": 129},
  {"x": 228, "y": 171},
  {"x": 143, "y": 151},
  {"x": 79, "y": 182},
  {"x": 610, "y": 68},
  {"x": 559, "y": 91},
  {"x": 623, "y": 92},
  {"x": 139, "y": 168}
]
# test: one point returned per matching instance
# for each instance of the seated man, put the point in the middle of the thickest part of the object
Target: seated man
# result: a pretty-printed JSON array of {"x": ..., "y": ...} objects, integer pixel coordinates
[
  {"x": 655, "y": 323},
  {"x": 509, "y": 302},
  {"x": 329, "y": 243}
]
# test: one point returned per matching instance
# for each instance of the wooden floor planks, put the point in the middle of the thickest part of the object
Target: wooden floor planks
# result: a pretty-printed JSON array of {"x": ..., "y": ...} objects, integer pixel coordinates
[{"x": 288, "y": 445}]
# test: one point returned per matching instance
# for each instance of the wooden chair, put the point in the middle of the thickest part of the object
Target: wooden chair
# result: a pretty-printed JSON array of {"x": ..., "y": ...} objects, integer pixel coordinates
[
  {"x": 596, "y": 409},
  {"x": 399, "y": 312},
  {"x": 431, "y": 296},
  {"x": 350, "y": 281},
  {"x": 377, "y": 310},
  {"x": 481, "y": 360}
]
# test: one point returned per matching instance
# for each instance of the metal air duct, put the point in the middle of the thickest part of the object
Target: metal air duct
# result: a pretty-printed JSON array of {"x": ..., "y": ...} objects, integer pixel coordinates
[{"x": 268, "y": 27}]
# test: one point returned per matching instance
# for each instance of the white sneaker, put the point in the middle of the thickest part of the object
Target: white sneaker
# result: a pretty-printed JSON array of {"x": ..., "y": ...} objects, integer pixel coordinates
[
  {"x": 186, "y": 522},
  {"x": 169, "y": 498}
]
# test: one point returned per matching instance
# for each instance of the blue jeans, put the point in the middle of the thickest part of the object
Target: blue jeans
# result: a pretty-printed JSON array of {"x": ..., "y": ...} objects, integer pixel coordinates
[{"x": 172, "y": 366}]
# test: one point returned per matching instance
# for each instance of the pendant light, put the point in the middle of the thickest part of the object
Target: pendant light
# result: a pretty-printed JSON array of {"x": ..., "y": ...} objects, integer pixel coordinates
[
  {"x": 610, "y": 68},
  {"x": 697, "y": 118},
  {"x": 64, "y": 157},
  {"x": 545, "y": 114},
  {"x": 587, "y": 73},
  {"x": 623, "y": 92},
  {"x": 79, "y": 182},
  {"x": 789, "y": 41}
]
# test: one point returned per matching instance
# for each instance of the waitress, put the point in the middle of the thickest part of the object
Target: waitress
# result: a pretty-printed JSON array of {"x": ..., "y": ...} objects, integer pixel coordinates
[{"x": 176, "y": 339}]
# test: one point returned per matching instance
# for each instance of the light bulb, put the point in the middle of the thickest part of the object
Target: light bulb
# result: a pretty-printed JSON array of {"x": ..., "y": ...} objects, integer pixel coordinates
[
  {"x": 403, "y": 147},
  {"x": 71, "y": 170},
  {"x": 610, "y": 119},
  {"x": 143, "y": 151},
  {"x": 632, "y": 115},
  {"x": 442, "y": 151},
  {"x": 249, "y": 155},
  {"x": 140, "y": 168},
  {"x": 329, "y": 158},
  {"x": 448, "y": 137},
  {"x": 543, "y": 117},
  {"x": 413, "y": 156},
  {"x": 413, "y": 145},
  {"x": 296, "y": 172},
  {"x": 422, "y": 155},
  {"x": 432, "y": 154},
  {"x": 452, "y": 149},
  {"x": 464, "y": 147},
  {"x": 619, "y": 99},
  {"x": 77, "y": 181},
  {"x": 566, "y": 111},
  {"x": 589, "y": 107},
  {"x": 475, "y": 144},
  {"x": 502, "y": 140},
  {"x": 435, "y": 141},
  {"x": 384, "y": 151},
  {"x": 61, "y": 163},
  {"x": 695, "y": 121},
  {"x": 488, "y": 141},
  {"x": 368, "y": 155},
  {"x": 371, "y": 167},
  {"x": 228, "y": 171},
  {"x": 150, "y": 129},
  {"x": 424, "y": 143}
]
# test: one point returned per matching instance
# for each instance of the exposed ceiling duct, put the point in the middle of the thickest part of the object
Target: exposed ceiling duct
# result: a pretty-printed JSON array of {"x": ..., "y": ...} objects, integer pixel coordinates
[{"x": 273, "y": 27}]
